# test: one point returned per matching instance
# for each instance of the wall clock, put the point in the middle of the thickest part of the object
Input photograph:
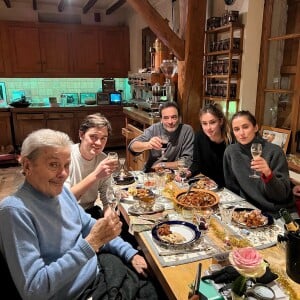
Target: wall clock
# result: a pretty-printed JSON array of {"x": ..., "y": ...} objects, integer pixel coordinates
[{"x": 229, "y": 2}]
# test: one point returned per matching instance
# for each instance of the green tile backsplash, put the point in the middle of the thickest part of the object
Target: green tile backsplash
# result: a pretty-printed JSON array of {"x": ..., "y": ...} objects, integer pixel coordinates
[{"x": 40, "y": 89}]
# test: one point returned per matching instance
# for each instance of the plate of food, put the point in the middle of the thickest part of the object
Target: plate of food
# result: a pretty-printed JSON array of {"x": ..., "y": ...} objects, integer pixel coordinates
[
  {"x": 251, "y": 218},
  {"x": 197, "y": 198},
  {"x": 175, "y": 234},
  {"x": 205, "y": 183},
  {"x": 137, "y": 210}
]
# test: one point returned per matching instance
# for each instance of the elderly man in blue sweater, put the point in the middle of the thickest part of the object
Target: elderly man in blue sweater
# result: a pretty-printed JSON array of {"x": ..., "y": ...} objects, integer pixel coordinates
[{"x": 53, "y": 248}]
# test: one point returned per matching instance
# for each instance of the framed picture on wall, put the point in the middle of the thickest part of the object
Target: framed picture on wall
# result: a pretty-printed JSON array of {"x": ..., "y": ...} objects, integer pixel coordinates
[
  {"x": 3, "y": 100},
  {"x": 276, "y": 136}
]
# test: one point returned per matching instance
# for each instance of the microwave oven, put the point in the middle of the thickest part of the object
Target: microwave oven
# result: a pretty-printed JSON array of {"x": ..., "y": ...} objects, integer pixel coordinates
[{"x": 112, "y": 98}]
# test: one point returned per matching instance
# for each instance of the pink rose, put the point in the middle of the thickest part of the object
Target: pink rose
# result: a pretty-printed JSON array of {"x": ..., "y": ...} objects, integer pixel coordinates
[{"x": 248, "y": 262}]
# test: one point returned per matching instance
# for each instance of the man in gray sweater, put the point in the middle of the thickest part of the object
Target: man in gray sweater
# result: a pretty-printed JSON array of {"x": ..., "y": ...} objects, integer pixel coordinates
[{"x": 180, "y": 140}]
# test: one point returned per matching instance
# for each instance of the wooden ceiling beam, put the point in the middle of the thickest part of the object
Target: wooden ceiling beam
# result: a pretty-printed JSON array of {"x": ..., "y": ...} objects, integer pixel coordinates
[
  {"x": 115, "y": 6},
  {"x": 61, "y": 5},
  {"x": 88, "y": 6},
  {"x": 34, "y": 4},
  {"x": 7, "y": 3},
  {"x": 159, "y": 26}
]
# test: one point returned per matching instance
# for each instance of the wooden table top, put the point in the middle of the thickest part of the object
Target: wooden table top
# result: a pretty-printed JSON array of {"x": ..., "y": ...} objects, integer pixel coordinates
[{"x": 175, "y": 280}]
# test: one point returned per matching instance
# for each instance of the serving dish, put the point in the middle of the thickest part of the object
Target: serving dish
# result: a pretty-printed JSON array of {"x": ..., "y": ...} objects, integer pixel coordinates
[
  {"x": 136, "y": 210},
  {"x": 251, "y": 218},
  {"x": 197, "y": 198},
  {"x": 124, "y": 180},
  {"x": 185, "y": 229},
  {"x": 205, "y": 183}
]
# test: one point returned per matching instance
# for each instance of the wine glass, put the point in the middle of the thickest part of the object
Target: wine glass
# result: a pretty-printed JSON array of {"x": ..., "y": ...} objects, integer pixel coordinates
[
  {"x": 182, "y": 170},
  {"x": 122, "y": 167},
  {"x": 113, "y": 196},
  {"x": 112, "y": 156},
  {"x": 160, "y": 186},
  {"x": 256, "y": 150},
  {"x": 226, "y": 212},
  {"x": 164, "y": 141}
]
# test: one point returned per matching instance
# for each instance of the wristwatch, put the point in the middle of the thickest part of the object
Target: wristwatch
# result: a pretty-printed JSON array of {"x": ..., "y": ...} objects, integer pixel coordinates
[{"x": 163, "y": 165}]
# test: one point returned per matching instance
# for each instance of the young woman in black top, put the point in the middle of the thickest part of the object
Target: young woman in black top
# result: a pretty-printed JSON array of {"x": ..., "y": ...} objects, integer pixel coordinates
[{"x": 210, "y": 143}]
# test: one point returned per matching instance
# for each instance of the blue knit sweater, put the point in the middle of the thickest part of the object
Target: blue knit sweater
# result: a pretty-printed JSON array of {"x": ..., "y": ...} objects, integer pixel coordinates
[{"x": 43, "y": 241}]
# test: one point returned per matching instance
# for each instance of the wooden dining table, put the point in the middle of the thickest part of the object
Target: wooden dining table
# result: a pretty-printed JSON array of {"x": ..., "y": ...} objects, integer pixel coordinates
[{"x": 176, "y": 280}]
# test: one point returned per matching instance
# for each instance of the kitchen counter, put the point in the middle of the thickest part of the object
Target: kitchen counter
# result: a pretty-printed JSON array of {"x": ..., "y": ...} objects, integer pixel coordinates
[{"x": 140, "y": 115}]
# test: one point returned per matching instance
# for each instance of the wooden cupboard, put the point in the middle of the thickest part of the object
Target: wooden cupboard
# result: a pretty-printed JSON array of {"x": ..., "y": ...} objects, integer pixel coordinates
[
  {"x": 54, "y": 46},
  {"x": 85, "y": 52},
  {"x": 5, "y": 128},
  {"x": 59, "y": 50},
  {"x": 66, "y": 119},
  {"x": 24, "y": 49},
  {"x": 114, "y": 43}
]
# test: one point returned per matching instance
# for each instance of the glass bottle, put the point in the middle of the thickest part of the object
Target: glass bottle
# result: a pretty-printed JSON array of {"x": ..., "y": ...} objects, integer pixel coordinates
[{"x": 290, "y": 224}]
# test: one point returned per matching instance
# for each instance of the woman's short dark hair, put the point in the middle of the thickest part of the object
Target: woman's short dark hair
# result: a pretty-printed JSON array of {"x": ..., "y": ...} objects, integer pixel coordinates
[{"x": 168, "y": 104}]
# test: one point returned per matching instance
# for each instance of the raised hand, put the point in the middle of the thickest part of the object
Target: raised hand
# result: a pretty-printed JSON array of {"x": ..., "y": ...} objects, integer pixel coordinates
[{"x": 104, "y": 230}]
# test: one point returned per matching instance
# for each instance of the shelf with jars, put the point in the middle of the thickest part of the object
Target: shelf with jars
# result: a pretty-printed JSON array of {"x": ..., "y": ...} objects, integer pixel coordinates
[{"x": 222, "y": 65}]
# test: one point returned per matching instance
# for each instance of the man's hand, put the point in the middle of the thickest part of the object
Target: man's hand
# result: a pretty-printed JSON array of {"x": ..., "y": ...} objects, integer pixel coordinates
[
  {"x": 106, "y": 167},
  {"x": 104, "y": 230},
  {"x": 139, "y": 264}
]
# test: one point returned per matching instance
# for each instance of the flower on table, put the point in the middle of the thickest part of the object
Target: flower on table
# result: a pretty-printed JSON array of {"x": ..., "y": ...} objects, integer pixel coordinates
[{"x": 248, "y": 262}]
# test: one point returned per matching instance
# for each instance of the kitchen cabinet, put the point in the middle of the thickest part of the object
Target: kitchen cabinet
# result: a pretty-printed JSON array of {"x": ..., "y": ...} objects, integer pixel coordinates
[
  {"x": 25, "y": 56},
  {"x": 222, "y": 66},
  {"x": 63, "y": 50},
  {"x": 66, "y": 119},
  {"x": 54, "y": 46},
  {"x": 2, "y": 66},
  {"x": 5, "y": 128},
  {"x": 24, "y": 123},
  {"x": 114, "y": 55},
  {"x": 85, "y": 52}
]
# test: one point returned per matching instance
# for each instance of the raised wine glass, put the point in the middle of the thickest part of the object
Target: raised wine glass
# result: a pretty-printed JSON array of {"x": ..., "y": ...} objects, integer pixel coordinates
[
  {"x": 256, "y": 150},
  {"x": 113, "y": 196},
  {"x": 164, "y": 140}
]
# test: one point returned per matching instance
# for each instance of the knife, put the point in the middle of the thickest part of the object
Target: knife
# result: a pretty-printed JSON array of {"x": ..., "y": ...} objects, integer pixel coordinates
[{"x": 174, "y": 252}]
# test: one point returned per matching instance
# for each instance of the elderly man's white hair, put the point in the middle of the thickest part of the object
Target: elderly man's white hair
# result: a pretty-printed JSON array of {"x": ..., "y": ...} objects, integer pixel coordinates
[{"x": 43, "y": 138}]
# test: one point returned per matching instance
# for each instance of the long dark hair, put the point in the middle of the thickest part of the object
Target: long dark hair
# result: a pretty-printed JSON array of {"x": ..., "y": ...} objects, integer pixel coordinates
[{"x": 216, "y": 110}]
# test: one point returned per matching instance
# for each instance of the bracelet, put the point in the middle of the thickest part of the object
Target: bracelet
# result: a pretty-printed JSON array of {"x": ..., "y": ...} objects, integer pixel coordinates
[{"x": 163, "y": 165}]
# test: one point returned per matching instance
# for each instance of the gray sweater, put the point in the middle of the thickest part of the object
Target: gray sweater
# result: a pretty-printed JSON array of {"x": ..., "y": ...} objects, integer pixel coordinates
[
  {"x": 180, "y": 144},
  {"x": 269, "y": 196}
]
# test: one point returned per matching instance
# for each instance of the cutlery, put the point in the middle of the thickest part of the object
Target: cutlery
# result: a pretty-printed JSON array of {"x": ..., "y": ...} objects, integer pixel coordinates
[
  {"x": 175, "y": 252},
  {"x": 189, "y": 189}
]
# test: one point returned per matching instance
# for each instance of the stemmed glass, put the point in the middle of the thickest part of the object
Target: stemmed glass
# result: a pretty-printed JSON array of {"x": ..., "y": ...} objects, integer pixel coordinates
[
  {"x": 113, "y": 196},
  {"x": 122, "y": 168},
  {"x": 182, "y": 170},
  {"x": 164, "y": 140},
  {"x": 256, "y": 150},
  {"x": 160, "y": 185},
  {"x": 226, "y": 212},
  {"x": 112, "y": 156}
]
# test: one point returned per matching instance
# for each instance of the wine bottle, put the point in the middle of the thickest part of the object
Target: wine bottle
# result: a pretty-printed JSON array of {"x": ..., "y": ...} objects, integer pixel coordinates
[{"x": 290, "y": 224}]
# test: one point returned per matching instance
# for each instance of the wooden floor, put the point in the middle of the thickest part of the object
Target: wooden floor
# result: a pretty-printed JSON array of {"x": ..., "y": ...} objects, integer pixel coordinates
[{"x": 10, "y": 179}]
